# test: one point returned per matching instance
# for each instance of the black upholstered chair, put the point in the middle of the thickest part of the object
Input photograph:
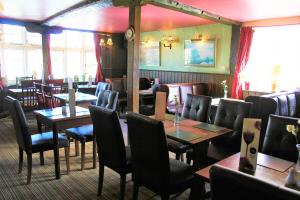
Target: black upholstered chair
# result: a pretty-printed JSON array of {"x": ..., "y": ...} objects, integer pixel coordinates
[
  {"x": 261, "y": 108},
  {"x": 278, "y": 142},
  {"x": 151, "y": 164},
  {"x": 32, "y": 143},
  {"x": 144, "y": 83},
  {"x": 111, "y": 148},
  {"x": 196, "y": 107},
  {"x": 228, "y": 184},
  {"x": 106, "y": 99},
  {"x": 150, "y": 109},
  {"x": 230, "y": 114}
]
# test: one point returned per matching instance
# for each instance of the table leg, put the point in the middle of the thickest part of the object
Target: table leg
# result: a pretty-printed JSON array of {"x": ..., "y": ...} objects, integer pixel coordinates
[
  {"x": 39, "y": 126},
  {"x": 56, "y": 152},
  {"x": 200, "y": 154}
]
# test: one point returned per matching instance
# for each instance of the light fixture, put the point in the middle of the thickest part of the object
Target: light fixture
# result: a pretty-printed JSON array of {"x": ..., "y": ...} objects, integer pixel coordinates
[
  {"x": 167, "y": 41},
  {"x": 198, "y": 38},
  {"x": 108, "y": 42}
]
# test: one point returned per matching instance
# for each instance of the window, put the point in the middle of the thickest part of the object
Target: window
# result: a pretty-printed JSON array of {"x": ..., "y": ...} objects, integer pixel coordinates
[
  {"x": 21, "y": 53},
  {"x": 274, "y": 62},
  {"x": 73, "y": 54}
]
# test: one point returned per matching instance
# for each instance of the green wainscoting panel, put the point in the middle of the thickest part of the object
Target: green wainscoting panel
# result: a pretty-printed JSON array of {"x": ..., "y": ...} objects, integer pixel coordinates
[{"x": 173, "y": 59}]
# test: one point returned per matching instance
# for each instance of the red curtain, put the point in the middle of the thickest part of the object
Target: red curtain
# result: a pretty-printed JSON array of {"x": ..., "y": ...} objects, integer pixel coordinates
[
  {"x": 242, "y": 59},
  {"x": 99, "y": 75},
  {"x": 49, "y": 56}
]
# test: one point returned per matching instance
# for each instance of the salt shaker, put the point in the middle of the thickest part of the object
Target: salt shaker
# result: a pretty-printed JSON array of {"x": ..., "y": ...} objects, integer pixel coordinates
[{"x": 291, "y": 178}]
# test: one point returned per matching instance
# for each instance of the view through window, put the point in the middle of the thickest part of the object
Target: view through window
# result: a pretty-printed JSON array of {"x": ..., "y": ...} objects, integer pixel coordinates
[
  {"x": 72, "y": 53},
  {"x": 274, "y": 62}
]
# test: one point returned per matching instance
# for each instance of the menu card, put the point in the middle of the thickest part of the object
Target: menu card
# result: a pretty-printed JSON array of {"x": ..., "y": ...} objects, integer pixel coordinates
[
  {"x": 249, "y": 145},
  {"x": 72, "y": 102},
  {"x": 160, "y": 105}
]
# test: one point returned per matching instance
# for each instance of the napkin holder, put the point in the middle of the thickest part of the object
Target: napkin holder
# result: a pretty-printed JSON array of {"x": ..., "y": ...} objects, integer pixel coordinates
[{"x": 72, "y": 102}]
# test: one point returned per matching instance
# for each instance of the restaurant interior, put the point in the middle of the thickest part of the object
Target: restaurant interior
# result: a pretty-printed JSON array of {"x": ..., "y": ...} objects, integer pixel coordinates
[{"x": 149, "y": 99}]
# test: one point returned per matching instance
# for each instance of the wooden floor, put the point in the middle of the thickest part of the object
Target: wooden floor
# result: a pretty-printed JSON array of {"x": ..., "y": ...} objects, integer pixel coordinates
[{"x": 77, "y": 185}]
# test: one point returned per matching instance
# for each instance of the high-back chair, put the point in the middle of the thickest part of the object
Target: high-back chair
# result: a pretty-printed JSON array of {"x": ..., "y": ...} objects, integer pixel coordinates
[
  {"x": 100, "y": 87},
  {"x": 111, "y": 147},
  {"x": 228, "y": 184},
  {"x": 196, "y": 107},
  {"x": 151, "y": 165},
  {"x": 39, "y": 93},
  {"x": 106, "y": 99},
  {"x": 150, "y": 109},
  {"x": 32, "y": 143},
  {"x": 230, "y": 114},
  {"x": 278, "y": 142},
  {"x": 261, "y": 108}
]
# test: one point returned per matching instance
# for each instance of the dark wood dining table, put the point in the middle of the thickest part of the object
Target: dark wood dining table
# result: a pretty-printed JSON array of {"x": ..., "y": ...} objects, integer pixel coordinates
[
  {"x": 270, "y": 169},
  {"x": 81, "y": 99},
  {"x": 194, "y": 133},
  {"x": 55, "y": 119}
]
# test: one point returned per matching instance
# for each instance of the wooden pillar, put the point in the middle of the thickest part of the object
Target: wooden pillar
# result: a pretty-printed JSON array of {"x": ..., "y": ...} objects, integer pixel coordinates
[
  {"x": 45, "y": 56},
  {"x": 133, "y": 57}
]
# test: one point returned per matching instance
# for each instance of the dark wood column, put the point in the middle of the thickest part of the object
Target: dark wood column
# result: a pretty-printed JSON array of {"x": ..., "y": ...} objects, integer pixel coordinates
[{"x": 133, "y": 57}]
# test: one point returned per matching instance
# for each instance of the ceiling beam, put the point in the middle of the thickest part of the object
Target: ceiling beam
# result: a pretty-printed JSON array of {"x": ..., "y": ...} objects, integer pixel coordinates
[
  {"x": 77, "y": 9},
  {"x": 190, "y": 10}
]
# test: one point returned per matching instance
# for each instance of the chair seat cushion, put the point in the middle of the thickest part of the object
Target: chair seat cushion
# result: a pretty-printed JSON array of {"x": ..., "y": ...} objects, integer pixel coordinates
[
  {"x": 181, "y": 175},
  {"x": 176, "y": 147},
  {"x": 81, "y": 133},
  {"x": 44, "y": 141}
]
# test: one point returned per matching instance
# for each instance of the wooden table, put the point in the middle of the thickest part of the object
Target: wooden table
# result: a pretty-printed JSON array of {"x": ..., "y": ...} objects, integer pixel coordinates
[
  {"x": 199, "y": 138},
  {"x": 87, "y": 89},
  {"x": 269, "y": 168},
  {"x": 54, "y": 119},
  {"x": 81, "y": 99}
]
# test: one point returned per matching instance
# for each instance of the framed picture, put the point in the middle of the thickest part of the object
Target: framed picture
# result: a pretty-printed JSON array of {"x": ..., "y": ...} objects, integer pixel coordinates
[
  {"x": 200, "y": 52},
  {"x": 150, "y": 53}
]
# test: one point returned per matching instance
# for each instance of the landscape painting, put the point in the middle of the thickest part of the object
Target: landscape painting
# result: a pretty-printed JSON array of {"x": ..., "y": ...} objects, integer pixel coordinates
[
  {"x": 150, "y": 53},
  {"x": 200, "y": 52}
]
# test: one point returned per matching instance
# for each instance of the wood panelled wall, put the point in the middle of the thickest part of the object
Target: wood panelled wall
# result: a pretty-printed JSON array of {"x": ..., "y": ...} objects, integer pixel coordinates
[{"x": 183, "y": 77}]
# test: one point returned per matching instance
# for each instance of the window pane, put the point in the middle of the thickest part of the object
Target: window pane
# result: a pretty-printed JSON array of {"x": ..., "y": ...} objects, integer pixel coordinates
[
  {"x": 57, "y": 63},
  {"x": 35, "y": 63},
  {"x": 89, "y": 40},
  {"x": 57, "y": 40},
  {"x": 90, "y": 64},
  {"x": 34, "y": 38},
  {"x": 274, "y": 58},
  {"x": 74, "y": 64},
  {"x": 74, "y": 39},
  {"x": 13, "y": 34},
  {"x": 14, "y": 63}
]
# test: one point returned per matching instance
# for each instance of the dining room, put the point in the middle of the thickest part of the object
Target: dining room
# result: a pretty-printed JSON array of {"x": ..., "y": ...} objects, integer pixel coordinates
[{"x": 149, "y": 99}]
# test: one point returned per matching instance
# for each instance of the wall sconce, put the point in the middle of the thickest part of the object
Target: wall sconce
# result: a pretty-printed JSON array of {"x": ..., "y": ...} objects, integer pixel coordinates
[
  {"x": 167, "y": 41},
  {"x": 108, "y": 42},
  {"x": 198, "y": 38}
]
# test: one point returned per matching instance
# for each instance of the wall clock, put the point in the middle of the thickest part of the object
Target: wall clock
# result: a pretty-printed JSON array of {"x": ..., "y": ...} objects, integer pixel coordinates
[{"x": 129, "y": 33}]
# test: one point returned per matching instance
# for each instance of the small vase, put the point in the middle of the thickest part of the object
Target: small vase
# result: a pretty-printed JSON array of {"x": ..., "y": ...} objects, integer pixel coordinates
[
  {"x": 176, "y": 118},
  {"x": 297, "y": 168},
  {"x": 225, "y": 94}
]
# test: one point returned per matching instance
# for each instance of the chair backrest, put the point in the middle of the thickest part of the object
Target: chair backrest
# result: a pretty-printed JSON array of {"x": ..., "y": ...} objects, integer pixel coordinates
[
  {"x": 278, "y": 142},
  {"x": 144, "y": 83},
  {"x": 107, "y": 99},
  {"x": 100, "y": 87},
  {"x": 197, "y": 107},
  {"x": 20, "y": 123},
  {"x": 231, "y": 114},
  {"x": 261, "y": 108},
  {"x": 111, "y": 147},
  {"x": 228, "y": 184},
  {"x": 150, "y": 158}
]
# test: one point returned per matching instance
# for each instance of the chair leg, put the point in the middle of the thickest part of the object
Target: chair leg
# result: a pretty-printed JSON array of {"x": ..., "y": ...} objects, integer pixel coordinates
[
  {"x": 94, "y": 154},
  {"x": 181, "y": 157},
  {"x": 177, "y": 156},
  {"x": 42, "y": 161},
  {"x": 29, "y": 166},
  {"x": 82, "y": 154},
  {"x": 20, "y": 160},
  {"x": 135, "y": 191},
  {"x": 101, "y": 176},
  {"x": 122, "y": 186},
  {"x": 67, "y": 154},
  {"x": 76, "y": 148}
]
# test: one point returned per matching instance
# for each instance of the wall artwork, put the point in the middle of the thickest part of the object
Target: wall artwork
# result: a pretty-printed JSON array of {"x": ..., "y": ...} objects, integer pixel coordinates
[
  {"x": 150, "y": 53},
  {"x": 200, "y": 53}
]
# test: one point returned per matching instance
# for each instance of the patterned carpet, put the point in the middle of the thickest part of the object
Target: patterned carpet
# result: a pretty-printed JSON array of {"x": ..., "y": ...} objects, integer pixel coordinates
[{"x": 77, "y": 185}]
